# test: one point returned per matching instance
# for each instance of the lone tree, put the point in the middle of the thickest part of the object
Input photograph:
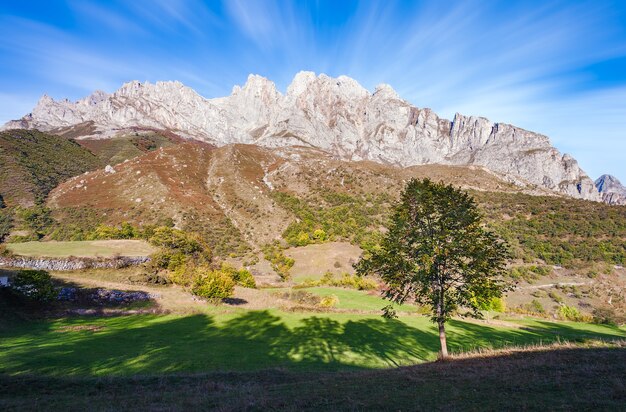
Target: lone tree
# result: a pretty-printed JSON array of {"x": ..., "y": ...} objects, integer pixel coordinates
[{"x": 437, "y": 253}]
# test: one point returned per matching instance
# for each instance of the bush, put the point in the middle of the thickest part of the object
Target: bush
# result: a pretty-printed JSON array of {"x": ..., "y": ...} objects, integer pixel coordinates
[
  {"x": 608, "y": 316},
  {"x": 534, "y": 307},
  {"x": 212, "y": 284},
  {"x": 555, "y": 296},
  {"x": 4, "y": 252},
  {"x": 178, "y": 249},
  {"x": 280, "y": 263},
  {"x": 125, "y": 231},
  {"x": 494, "y": 304},
  {"x": 300, "y": 296},
  {"x": 319, "y": 235},
  {"x": 38, "y": 219},
  {"x": 528, "y": 273},
  {"x": 571, "y": 313},
  {"x": 168, "y": 259},
  {"x": 35, "y": 285},
  {"x": 329, "y": 301},
  {"x": 242, "y": 277},
  {"x": 346, "y": 280},
  {"x": 6, "y": 223}
]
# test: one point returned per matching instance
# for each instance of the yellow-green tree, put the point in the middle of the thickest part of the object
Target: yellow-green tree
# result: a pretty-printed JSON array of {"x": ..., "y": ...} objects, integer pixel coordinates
[{"x": 437, "y": 253}]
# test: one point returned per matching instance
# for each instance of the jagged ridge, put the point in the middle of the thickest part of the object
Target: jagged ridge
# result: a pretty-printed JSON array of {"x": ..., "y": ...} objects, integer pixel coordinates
[
  {"x": 611, "y": 190},
  {"x": 336, "y": 115}
]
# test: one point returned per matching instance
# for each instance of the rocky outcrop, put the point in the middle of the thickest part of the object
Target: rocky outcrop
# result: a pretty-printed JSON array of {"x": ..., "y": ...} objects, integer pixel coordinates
[
  {"x": 42, "y": 263},
  {"x": 611, "y": 190},
  {"x": 336, "y": 115}
]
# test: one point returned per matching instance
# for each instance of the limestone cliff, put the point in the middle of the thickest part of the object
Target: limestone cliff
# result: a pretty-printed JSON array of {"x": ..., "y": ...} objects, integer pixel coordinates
[{"x": 336, "y": 115}]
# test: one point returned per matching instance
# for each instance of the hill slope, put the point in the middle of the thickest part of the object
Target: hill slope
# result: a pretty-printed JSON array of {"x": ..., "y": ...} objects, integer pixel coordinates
[
  {"x": 248, "y": 196},
  {"x": 336, "y": 115},
  {"x": 548, "y": 379},
  {"x": 32, "y": 163},
  {"x": 243, "y": 195}
]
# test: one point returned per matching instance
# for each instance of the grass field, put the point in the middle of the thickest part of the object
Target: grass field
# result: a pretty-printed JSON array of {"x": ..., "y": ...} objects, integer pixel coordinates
[
  {"x": 254, "y": 340},
  {"x": 358, "y": 299},
  {"x": 549, "y": 378},
  {"x": 92, "y": 249},
  {"x": 313, "y": 261}
]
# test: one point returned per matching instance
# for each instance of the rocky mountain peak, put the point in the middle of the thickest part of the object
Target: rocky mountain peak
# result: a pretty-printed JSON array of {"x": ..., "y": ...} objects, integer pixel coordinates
[
  {"x": 94, "y": 99},
  {"x": 336, "y": 115},
  {"x": 611, "y": 189},
  {"x": 385, "y": 91},
  {"x": 300, "y": 83},
  {"x": 45, "y": 100}
]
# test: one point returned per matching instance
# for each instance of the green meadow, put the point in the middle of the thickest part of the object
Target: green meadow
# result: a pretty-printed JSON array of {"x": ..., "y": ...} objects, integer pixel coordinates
[{"x": 256, "y": 340}]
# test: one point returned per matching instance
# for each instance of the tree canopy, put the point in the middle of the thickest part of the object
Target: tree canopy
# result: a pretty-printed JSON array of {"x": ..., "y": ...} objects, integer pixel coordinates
[{"x": 437, "y": 253}]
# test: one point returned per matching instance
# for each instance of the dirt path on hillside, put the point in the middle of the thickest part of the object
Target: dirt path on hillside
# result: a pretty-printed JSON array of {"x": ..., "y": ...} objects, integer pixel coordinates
[{"x": 550, "y": 285}]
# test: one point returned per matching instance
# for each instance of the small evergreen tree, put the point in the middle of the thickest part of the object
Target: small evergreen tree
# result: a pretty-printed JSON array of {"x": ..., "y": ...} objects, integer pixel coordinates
[{"x": 437, "y": 253}]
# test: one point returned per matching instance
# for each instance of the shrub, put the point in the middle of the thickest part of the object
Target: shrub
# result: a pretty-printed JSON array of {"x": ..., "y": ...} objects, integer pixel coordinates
[
  {"x": 555, "y": 296},
  {"x": 6, "y": 223},
  {"x": 300, "y": 296},
  {"x": 319, "y": 235},
  {"x": 302, "y": 239},
  {"x": 242, "y": 277},
  {"x": 38, "y": 219},
  {"x": 281, "y": 264},
  {"x": 168, "y": 259},
  {"x": 346, "y": 280},
  {"x": 529, "y": 273},
  {"x": 571, "y": 313},
  {"x": 178, "y": 248},
  {"x": 608, "y": 316},
  {"x": 212, "y": 284},
  {"x": 494, "y": 304},
  {"x": 183, "y": 275},
  {"x": 4, "y": 251},
  {"x": 170, "y": 238},
  {"x": 329, "y": 301},
  {"x": 34, "y": 285},
  {"x": 534, "y": 307}
]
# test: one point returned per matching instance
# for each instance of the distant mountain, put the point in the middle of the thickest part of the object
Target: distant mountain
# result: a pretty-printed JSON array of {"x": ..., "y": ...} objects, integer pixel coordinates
[
  {"x": 335, "y": 115},
  {"x": 32, "y": 163},
  {"x": 611, "y": 190}
]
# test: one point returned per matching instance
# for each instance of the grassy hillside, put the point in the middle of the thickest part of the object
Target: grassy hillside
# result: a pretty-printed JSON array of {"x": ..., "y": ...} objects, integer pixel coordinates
[
  {"x": 119, "y": 148},
  {"x": 32, "y": 163},
  {"x": 90, "y": 249},
  {"x": 255, "y": 340},
  {"x": 242, "y": 197},
  {"x": 550, "y": 378},
  {"x": 169, "y": 184},
  {"x": 557, "y": 230}
]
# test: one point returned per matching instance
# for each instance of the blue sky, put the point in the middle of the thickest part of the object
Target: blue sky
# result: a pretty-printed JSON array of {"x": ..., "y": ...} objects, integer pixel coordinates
[{"x": 558, "y": 68}]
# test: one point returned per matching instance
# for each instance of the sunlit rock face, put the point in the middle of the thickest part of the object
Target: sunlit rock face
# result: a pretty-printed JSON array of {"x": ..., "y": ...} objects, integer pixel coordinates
[
  {"x": 611, "y": 190},
  {"x": 337, "y": 115}
]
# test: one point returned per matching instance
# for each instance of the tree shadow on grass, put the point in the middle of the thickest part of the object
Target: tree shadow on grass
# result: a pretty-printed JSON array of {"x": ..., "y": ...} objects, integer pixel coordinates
[
  {"x": 464, "y": 336},
  {"x": 254, "y": 340}
]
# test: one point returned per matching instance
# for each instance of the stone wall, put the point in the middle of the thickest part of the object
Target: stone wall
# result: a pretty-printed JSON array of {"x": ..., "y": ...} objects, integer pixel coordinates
[{"x": 65, "y": 264}]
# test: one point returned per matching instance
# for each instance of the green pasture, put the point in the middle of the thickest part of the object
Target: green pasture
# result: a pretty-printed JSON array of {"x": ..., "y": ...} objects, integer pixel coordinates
[
  {"x": 358, "y": 299},
  {"x": 89, "y": 249},
  {"x": 254, "y": 340}
]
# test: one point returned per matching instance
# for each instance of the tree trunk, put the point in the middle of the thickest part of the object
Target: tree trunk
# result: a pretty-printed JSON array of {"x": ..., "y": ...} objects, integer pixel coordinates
[{"x": 442, "y": 340}]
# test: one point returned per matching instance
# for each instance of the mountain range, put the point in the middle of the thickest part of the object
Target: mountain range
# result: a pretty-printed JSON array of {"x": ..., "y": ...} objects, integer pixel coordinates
[{"x": 336, "y": 116}]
